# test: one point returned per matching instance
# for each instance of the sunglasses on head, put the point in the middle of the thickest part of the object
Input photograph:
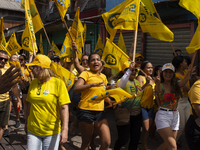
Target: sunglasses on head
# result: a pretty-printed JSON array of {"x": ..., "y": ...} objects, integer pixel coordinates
[
  {"x": 1, "y": 58},
  {"x": 139, "y": 59}
]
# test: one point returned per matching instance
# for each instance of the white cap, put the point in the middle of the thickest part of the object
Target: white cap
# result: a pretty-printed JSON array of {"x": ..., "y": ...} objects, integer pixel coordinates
[{"x": 168, "y": 66}]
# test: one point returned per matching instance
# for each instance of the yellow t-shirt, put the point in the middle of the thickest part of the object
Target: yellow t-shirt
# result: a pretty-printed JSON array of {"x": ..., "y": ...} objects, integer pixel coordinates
[
  {"x": 188, "y": 83},
  {"x": 194, "y": 94},
  {"x": 4, "y": 96},
  {"x": 25, "y": 72},
  {"x": 85, "y": 102},
  {"x": 45, "y": 100},
  {"x": 148, "y": 97}
]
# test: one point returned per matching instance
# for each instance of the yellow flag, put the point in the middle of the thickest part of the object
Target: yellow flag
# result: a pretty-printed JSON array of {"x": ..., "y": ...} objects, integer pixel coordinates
[
  {"x": 26, "y": 41},
  {"x": 63, "y": 74},
  {"x": 37, "y": 22},
  {"x": 41, "y": 45},
  {"x": 84, "y": 32},
  {"x": 128, "y": 18},
  {"x": 66, "y": 49},
  {"x": 55, "y": 48},
  {"x": 121, "y": 43},
  {"x": 149, "y": 4},
  {"x": 149, "y": 23},
  {"x": 22, "y": 4},
  {"x": 99, "y": 46},
  {"x": 119, "y": 94},
  {"x": 113, "y": 56},
  {"x": 3, "y": 48},
  {"x": 77, "y": 32},
  {"x": 12, "y": 46},
  {"x": 194, "y": 44},
  {"x": 110, "y": 18},
  {"x": 3, "y": 40},
  {"x": 192, "y": 6},
  {"x": 1, "y": 30},
  {"x": 62, "y": 6}
]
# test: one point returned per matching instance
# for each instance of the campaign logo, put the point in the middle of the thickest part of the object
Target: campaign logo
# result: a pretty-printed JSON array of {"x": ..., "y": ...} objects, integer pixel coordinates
[
  {"x": 112, "y": 20},
  {"x": 46, "y": 92},
  {"x": 99, "y": 51},
  {"x": 25, "y": 42},
  {"x": 110, "y": 59},
  {"x": 69, "y": 82},
  {"x": 142, "y": 17}
]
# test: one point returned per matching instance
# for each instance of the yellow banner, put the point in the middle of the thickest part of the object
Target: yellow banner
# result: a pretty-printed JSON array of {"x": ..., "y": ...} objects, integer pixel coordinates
[
  {"x": 3, "y": 48},
  {"x": 62, "y": 6},
  {"x": 113, "y": 56},
  {"x": 12, "y": 46},
  {"x": 63, "y": 74},
  {"x": 99, "y": 46},
  {"x": 26, "y": 41},
  {"x": 121, "y": 43},
  {"x": 22, "y": 4},
  {"x": 110, "y": 18},
  {"x": 192, "y": 6},
  {"x": 149, "y": 23},
  {"x": 149, "y": 4},
  {"x": 194, "y": 44},
  {"x": 55, "y": 48},
  {"x": 3, "y": 40},
  {"x": 119, "y": 94},
  {"x": 41, "y": 45}
]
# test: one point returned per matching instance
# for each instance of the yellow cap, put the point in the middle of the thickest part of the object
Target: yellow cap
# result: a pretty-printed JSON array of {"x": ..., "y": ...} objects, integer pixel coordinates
[
  {"x": 138, "y": 55},
  {"x": 126, "y": 65},
  {"x": 67, "y": 59},
  {"x": 41, "y": 60}
]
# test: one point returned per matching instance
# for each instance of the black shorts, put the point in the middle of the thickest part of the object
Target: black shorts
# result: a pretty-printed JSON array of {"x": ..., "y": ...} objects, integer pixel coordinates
[
  {"x": 90, "y": 116},
  {"x": 4, "y": 113}
]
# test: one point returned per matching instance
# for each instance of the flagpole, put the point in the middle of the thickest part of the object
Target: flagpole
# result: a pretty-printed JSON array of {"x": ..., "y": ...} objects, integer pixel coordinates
[
  {"x": 68, "y": 30},
  {"x": 47, "y": 36},
  {"x": 135, "y": 44},
  {"x": 33, "y": 48}
]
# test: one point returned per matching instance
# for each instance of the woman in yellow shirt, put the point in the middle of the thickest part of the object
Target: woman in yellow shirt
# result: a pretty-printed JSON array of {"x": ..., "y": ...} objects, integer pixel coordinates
[
  {"x": 90, "y": 114},
  {"x": 148, "y": 85},
  {"x": 48, "y": 102}
]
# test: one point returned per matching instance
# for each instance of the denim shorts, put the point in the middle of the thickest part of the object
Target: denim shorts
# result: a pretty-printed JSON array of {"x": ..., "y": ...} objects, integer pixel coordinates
[
  {"x": 90, "y": 116},
  {"x": 166, "y": 119},
  {"x": 147, "y": 113}
]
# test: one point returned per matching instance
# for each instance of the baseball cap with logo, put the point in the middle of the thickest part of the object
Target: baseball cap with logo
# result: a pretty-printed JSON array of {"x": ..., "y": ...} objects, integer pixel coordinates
[
  {"x": 168, "y": 66},
  {"x": 41, "y": 60}
]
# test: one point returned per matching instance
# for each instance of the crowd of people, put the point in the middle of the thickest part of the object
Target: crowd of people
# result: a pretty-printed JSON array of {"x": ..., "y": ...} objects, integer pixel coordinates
[{"x": 162, "y": 100}]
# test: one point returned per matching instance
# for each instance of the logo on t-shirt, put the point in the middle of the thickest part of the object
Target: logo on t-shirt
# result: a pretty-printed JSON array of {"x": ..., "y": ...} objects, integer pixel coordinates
[{"x": 46, "y": 92}]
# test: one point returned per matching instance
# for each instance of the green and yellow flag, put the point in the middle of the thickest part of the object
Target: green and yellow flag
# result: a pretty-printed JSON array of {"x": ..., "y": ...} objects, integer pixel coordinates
[
  {"x": 149, "y": 23},
  {"x": 121, "y": 43},
  {"x": 192, "y": 6},
  {"x": 55, "y": 48},
  {"x": 22, "y": 4},
  {"x": 62, "y": 6},
  {"x": 63, "y": 74},
  {"x": 113, "y": 56},
  {"x": 123, "y": 16},
  {"x": 194, "y": 44},
  {"x": 12, "y": 46},
  {"x": 84, "y": 32},
  {"x": 26, "y": 41},
  {"x": 41, "y": 45},
  {"x": 99, "y": 46}
]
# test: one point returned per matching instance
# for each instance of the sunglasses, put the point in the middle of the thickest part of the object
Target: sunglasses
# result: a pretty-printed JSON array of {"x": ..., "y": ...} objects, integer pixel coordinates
[
  {"x": 134, "y": 70},
  {"x": 139, "y": 59},
  {"x": 84, "y": 59},
  {"x": 1, "y": 58},
  {"x": 56, "y": 60},
  {"x": 179, "y": 54},
  {"x": 21, "y": 59}
]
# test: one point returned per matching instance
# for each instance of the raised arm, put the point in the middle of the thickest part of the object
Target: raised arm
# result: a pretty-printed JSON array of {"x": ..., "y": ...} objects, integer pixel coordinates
[{"x": 77, "y": 65}]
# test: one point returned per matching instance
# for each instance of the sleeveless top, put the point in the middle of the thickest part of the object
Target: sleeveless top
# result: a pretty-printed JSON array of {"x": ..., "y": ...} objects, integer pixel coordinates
[{"x": 167, "y": 99}]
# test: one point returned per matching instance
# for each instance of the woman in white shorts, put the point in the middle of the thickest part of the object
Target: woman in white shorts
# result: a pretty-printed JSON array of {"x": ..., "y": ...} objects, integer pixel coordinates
[{"x": 167, "y": 117}]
